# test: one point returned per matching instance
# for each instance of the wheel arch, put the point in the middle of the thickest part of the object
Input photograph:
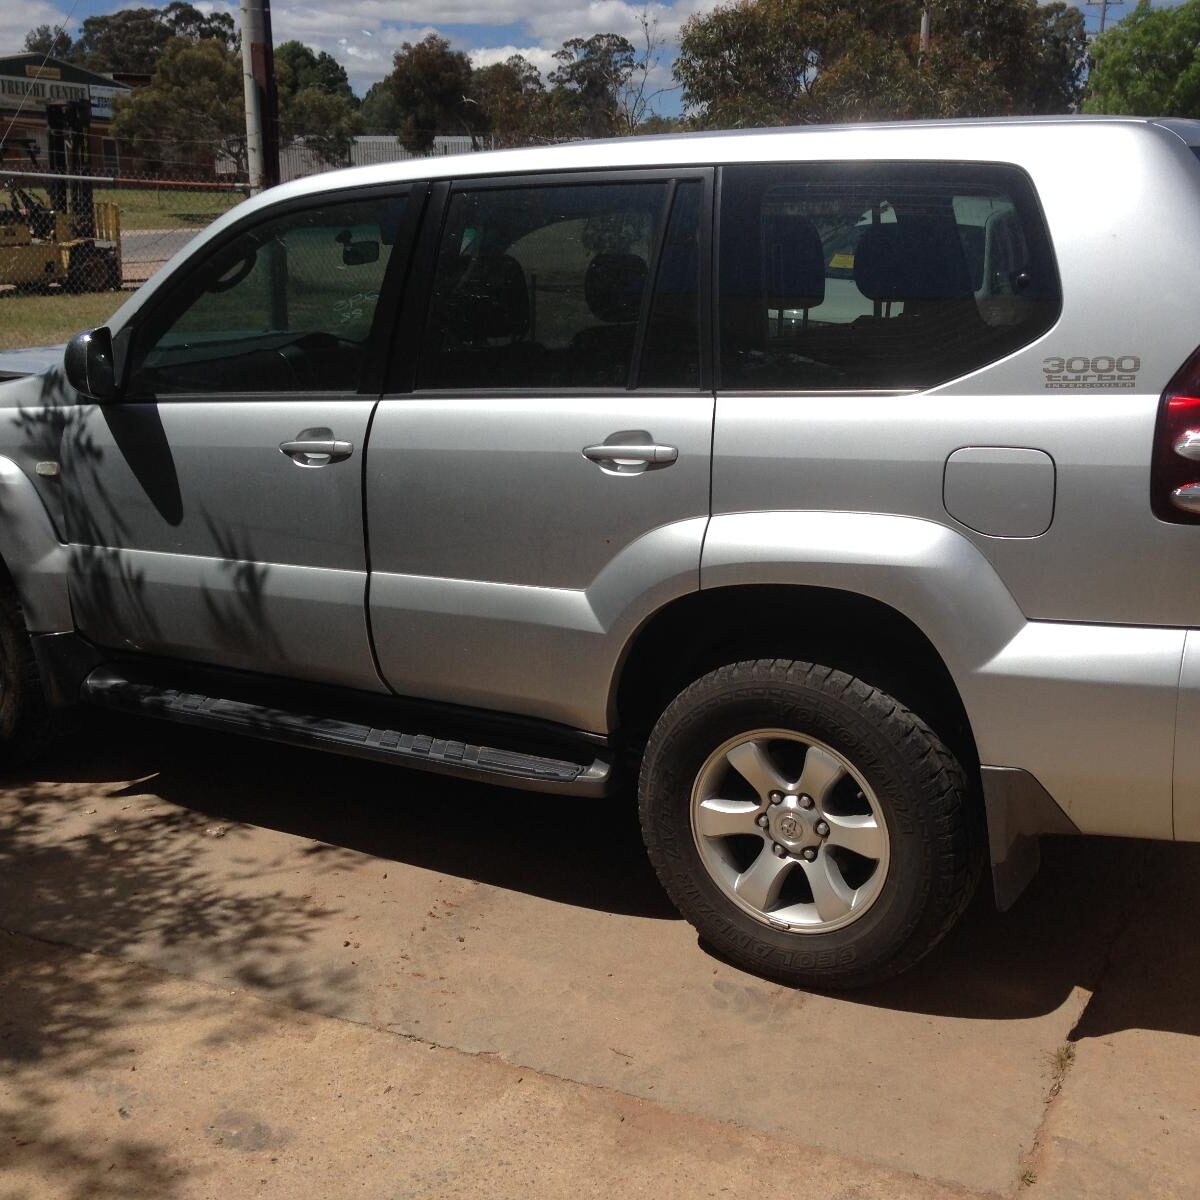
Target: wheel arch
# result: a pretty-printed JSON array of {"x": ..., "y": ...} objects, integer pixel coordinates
[
  {"x": 860, "y": 634},
  {"x": 31, "y": 554}
]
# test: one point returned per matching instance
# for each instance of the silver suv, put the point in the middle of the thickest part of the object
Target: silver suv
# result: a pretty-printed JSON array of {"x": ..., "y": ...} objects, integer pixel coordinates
[{"x": 840, "y": 483}]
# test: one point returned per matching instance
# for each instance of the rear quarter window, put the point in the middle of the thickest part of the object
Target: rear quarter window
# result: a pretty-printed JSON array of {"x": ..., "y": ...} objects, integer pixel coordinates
[{"x": 878, "y": 277}]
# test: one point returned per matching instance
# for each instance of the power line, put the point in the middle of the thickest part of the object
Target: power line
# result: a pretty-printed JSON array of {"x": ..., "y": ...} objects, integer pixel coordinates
[
  {"x": 1104, "y": 6},
  {"x": 58, "y": 32}
]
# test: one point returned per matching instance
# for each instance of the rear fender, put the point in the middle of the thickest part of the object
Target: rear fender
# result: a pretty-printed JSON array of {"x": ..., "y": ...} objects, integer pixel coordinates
[{"x": 1065, "y": 703}]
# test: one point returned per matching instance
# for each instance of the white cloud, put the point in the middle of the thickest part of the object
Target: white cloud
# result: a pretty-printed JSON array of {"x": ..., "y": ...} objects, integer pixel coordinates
[
  {"x": 363, "y": 35},
  {"x": 16, "y": 20},
  {"x": 541, "y": 57}
]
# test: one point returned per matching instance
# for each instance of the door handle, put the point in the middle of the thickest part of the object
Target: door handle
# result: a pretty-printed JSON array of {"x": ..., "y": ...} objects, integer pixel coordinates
[
  {"x": 649, "y": 453},
  {"x": 316, "y": 452}
]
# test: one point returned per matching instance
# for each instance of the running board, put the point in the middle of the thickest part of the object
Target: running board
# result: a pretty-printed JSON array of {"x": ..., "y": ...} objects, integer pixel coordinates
[{"x": 487, "y": 764}]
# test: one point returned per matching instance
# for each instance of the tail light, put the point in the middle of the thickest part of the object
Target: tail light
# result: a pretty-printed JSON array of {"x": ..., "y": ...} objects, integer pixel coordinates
[{"x": 1175, "y": 468}]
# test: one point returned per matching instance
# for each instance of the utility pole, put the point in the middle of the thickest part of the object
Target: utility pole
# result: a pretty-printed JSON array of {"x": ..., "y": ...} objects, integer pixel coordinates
[
  {"x": 262, "y": 106},
  {"x": 1103, "y": 6},
  {"x": 926, "y": 21}
]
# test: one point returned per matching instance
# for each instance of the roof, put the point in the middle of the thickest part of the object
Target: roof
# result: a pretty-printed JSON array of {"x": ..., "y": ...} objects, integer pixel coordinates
[
  {"x": 998, "y": 138},
  {"x": 53, "y": 70}
]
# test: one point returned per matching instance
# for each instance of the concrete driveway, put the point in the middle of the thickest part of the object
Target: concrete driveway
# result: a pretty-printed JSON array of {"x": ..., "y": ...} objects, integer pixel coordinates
[{"x": 231, "y": 969}]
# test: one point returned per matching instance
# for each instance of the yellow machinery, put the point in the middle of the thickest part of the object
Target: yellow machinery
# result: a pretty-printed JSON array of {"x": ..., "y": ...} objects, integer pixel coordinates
[{"x": 40, "y": 245}]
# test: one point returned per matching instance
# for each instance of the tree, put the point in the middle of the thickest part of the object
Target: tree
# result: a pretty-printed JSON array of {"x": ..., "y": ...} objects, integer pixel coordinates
[
  {"x": 636, "y": 96},
  {"x": 795, "y": 61},
  {"x": 1149, "y": 64},
  {"x": 133, "y": 39},
  {"x": 186, "y": 21},
  {"x": 431, "y": 85},
  {"x": 327, "y": 123},
  {"x": 514, "y": 104},
  {"x": 51, "y": 42},
  {"x": 192, "y": 110},
  {"x": 314, "y": 70},
  {"x": 380, "y": 113},
  {"x": 593, "y": 74}
]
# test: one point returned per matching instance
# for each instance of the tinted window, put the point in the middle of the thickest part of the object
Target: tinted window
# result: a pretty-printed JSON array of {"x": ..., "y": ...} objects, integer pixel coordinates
[
  {"x": 671, "y": 356},
  {"x": 541, "y": 286},
  {"x": 859, "y": 276},
  {"x": 284, "y": 306}
]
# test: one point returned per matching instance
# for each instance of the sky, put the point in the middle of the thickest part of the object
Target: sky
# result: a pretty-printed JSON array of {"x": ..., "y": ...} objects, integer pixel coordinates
[{"x": 363, "y": 34}]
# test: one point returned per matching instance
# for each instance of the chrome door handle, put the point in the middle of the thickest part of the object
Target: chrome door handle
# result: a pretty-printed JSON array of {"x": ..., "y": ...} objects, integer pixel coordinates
[
  {"x": 650, "y": 453},
  {"x": 317, "y": 452}
]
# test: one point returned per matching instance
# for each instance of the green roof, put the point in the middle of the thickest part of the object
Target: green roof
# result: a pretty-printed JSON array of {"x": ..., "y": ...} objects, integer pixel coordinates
[{"x": 34, "y": 66}]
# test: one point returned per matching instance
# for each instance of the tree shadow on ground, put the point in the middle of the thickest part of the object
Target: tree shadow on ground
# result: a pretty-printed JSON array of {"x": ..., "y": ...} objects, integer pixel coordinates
[
  {"x": 584, "y": 853},
  {"x": 135, "y": 878},
  {"x": 1102, "y": 914}
]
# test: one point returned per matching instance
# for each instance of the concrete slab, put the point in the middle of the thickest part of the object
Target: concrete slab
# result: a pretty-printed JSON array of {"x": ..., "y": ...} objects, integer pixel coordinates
[
  {"x": 123, "y": 1083},
  {"x": 1127, "y": 1123},
  {"x": 531, "y": 928}
]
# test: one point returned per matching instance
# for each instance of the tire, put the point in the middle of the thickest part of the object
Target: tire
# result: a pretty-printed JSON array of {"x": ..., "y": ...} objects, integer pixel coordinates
[
  {"x": 843, "y": 887},
  {"x": 27, "y": 724}
]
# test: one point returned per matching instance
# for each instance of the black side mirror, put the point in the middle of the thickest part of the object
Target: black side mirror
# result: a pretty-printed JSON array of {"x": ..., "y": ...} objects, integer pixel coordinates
[{"x": 88, "y": 363}]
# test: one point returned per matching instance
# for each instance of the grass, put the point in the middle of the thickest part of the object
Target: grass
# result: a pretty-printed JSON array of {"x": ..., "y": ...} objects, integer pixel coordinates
[
  {"x": 1062, "y": 1059},
  {"x": 43, "y": 320},
  {"x": 168, "y": 208}
]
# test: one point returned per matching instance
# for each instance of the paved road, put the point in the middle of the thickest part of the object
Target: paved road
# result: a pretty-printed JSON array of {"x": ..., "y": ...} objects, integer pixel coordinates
[
  {"x": 235, "y": 969},
  {"x": 143, "y": 251}
]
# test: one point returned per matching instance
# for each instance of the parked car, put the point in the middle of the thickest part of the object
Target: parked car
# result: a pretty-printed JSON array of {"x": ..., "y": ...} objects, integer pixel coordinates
[{"x": 548, "y": 467}]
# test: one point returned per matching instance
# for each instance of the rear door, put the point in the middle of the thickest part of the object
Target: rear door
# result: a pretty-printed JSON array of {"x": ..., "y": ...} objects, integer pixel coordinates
[{"x": 539, "y": 475}]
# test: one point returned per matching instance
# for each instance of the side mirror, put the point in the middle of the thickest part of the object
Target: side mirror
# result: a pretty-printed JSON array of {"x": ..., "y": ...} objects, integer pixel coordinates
[{"x": 88, "y": 363}]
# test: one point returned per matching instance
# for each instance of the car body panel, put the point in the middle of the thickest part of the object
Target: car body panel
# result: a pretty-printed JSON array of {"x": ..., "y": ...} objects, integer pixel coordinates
[
  {"x": 1054, "y": 699},
  {"x": 194, "y": 536},
  {"x": 502, "y": 558}
]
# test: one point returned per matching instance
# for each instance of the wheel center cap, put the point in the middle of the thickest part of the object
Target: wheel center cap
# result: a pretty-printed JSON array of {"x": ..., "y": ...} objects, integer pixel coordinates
[{"x": 792, "y": 825}]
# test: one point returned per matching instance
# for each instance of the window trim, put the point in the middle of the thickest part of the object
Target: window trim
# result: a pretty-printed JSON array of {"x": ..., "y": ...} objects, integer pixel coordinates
[
  {"x": 409, "y": 331},
  {"x": 1044, "y": 246},
  {"x": 171, "y": 301}
]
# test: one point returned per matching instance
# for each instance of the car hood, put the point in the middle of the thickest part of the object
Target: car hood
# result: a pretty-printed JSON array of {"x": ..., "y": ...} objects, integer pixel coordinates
[{"x": 33, "y": 360}]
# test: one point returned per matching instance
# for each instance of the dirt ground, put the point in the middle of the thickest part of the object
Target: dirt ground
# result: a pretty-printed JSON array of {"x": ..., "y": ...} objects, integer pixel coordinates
[{"x": 235, "y": 970}]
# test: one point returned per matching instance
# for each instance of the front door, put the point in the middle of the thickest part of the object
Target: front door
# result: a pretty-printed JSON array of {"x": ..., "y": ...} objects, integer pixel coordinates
[
  {"x": 215, "y": 511},
  {"x": 545, "y": 484}
]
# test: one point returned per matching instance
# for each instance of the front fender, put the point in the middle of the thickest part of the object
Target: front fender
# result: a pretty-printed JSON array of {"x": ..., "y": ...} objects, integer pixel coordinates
[
  {"x": 1088, "y": 710},
  {"x": 36, "y": 559}
]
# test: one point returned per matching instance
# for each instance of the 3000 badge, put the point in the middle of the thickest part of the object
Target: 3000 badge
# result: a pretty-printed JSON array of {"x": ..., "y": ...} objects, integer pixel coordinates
[{"x": 1102, "y": 371}]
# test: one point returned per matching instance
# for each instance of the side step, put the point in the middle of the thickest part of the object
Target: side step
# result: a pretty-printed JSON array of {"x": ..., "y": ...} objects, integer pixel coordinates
[{"x": 110, "y": 689}]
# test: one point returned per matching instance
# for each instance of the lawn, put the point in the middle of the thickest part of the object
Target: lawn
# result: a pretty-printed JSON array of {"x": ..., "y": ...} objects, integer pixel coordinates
[
  {"x": 43, "y": 320},
  {"x": 168, "y": 208}
]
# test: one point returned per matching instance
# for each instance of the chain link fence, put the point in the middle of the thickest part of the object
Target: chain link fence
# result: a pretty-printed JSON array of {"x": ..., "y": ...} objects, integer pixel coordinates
[{"x": 73, "y": 246}]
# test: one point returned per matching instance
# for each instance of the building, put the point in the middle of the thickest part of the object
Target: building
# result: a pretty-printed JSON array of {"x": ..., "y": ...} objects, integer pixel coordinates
[{"x": 55, "y": 116}]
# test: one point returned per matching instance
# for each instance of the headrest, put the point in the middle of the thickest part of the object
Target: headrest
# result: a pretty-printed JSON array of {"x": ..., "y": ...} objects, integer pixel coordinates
[
  {"x": 613, "y": 286},
  {"x": 917, "y": 258},
  {"x": 793, "y": 262},
  {"x": 491, "y": 300}
]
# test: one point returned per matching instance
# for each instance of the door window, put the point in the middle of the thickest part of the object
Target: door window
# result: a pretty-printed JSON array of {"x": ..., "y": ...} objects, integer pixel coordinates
[
  {"x": 888, "y": 277},
  {"x": 547, "y": 286},
  {"x": 284, "y": 306}
]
